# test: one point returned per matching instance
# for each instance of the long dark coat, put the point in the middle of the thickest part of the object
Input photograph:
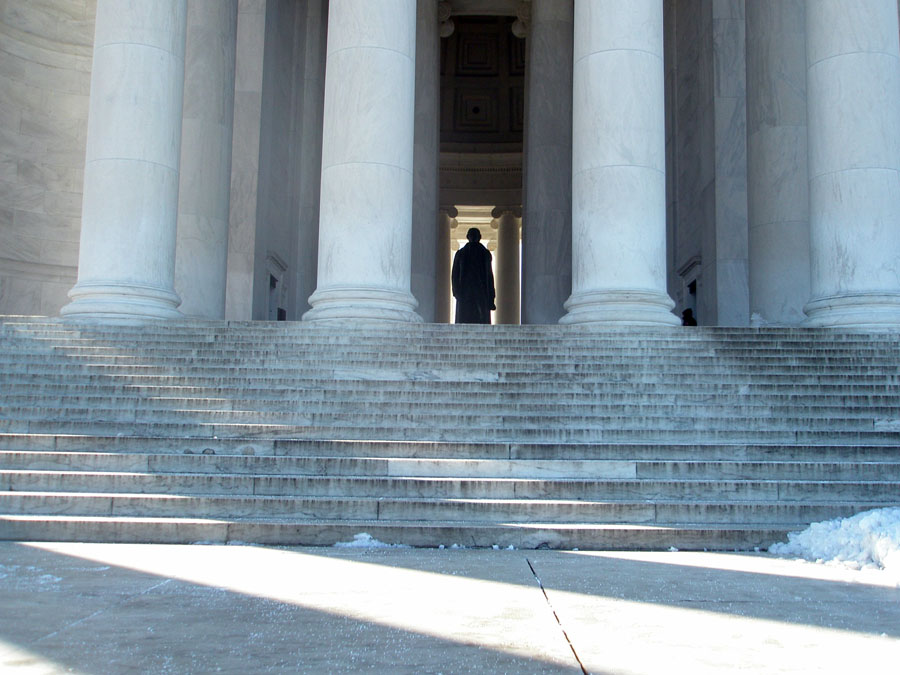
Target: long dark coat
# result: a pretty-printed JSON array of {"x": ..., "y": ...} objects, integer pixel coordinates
[{"x": 473, "y": 284}]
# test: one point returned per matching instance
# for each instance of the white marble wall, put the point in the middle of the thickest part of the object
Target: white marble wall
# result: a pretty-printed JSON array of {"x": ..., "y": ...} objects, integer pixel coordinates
[
  {"x": 425, "y": 160},
  {"x": 726, "y": 243},
  {"x": 279, "y": 153},
  {"x": 778, "y": 184},
  {"x": 206, "y": 136},
  {"x": 853, "y": 96},
  {"x": 45, "y": 69},
  {"x": 126, "y": 264},
  {"x": 251, "y": 31},
  {"x": 709, "y": 237},
  {"x": 547, "y": 218},
  {"x": 309, "y": 117}
]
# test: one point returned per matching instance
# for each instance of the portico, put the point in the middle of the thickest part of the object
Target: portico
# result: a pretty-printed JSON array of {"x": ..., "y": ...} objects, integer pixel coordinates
[{"x": 649, "y": 156}]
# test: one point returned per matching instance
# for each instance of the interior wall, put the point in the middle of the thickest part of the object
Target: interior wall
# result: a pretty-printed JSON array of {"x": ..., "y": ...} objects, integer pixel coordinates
[{"x": 708, "y": 160}]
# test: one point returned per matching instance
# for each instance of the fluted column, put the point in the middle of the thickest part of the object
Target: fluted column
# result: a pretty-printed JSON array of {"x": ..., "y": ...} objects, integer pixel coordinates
[
  {"x": 365, "y": 221},
  {"x": 618, "y": 166},
  {"x": 425, "y": 162},
  {"x": 126, "y": 264},
  {"x": 446, "y": 222},
  {"x": 547, "y": 230},
  {"x": 777, "y": 182},
  {"x": 506, "y": 223},
  {"x": 853, "y": 102},
  {"x": 204, "y": 195}
]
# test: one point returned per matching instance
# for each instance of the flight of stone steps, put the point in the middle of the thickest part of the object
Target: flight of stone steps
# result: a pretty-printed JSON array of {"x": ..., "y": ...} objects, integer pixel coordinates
[{"x": 531, "y": 436}]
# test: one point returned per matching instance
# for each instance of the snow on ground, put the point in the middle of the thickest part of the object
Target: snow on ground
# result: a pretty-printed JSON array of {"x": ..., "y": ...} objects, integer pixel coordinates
[
  {"x": 867, "y": 540},
  {"x": 366, "y": 540}
]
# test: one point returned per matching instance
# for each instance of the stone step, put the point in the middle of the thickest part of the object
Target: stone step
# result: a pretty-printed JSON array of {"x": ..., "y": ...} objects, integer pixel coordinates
[
  {"x": 879, "y": 405},
  {"x": 544, "y": 452},
  {"x": 433, "y": 510},
  {"x": 550, "y": 352},
  {"x": 476, "y": 381},
  {"x": 876, "y": 435},
  {"x": 316, "y": 532},
  {"x": 472, "y": 417},
  {"x": 645, "y": 406},
  {"x": 311, "y": 363},
  {"x": 233, "y": 330},
  {"x": 704, "y": 393},
  {"x": 469, "y": 381},
  {"x": 544, "y": 435},
  {"x": 450, "y": 468},
  {"x": 448, "y": 488}
]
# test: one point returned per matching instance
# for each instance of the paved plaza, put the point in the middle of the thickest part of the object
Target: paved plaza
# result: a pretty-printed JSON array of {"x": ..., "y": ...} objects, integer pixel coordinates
[{"x": 120, "y": 608}]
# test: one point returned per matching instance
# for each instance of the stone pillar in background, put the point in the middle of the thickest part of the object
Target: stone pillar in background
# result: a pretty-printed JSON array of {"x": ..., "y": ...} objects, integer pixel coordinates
[
  {"x": 309, "y": 129},
  {"x": 853, "y": 99},
  {"x": 446, "y": 222},
  {"x": 365, "y": 222},
  {"x": 547, "y": 231},
  {"x": 126, "y": 265},
  {"x": 506, "y": 223},
  {"x": 618, "y": 166},
  {"x": 201, "y": 256},
  {"x": 778, "y": 186},
  {"x": 425, "y": 159}
]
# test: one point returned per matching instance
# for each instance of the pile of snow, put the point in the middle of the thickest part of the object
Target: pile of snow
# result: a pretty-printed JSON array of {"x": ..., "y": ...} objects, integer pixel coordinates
[
  {"x": 868, "y": 539},
  {"x": 365, "y": 540}
]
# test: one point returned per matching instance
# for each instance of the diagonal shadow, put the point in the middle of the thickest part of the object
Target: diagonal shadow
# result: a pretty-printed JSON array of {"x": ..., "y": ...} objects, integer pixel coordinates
[
  {"x": 272, "y": 612},
  {"x": 758, "y": 586}
]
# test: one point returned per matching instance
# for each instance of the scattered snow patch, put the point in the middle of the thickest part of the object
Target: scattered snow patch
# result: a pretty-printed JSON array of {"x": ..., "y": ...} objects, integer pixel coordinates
[
  {"x": 869, "y": 539},
  {"x": 365, "y": 540}
]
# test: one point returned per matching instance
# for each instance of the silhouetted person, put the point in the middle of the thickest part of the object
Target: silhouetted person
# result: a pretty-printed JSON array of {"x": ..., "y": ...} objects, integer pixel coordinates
[
  {"x": 687, "y": 318},
  {"x": 473, "y": 281}
]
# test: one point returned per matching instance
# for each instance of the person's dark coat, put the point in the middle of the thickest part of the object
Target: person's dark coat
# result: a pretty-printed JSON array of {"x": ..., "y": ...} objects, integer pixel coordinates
[{"x": 473, "y": 284}]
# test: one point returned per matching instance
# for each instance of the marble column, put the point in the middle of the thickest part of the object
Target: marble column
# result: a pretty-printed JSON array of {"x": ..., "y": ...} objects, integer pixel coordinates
[
  {"x": 547, "y": 230},
  {"x": 777, "y": 185},
  {"x": 126, "y": 264},
  {"x": 618, "y": 166},
  {"x": 446, "y": 222},
  {"x": 425, "y": 158},
  {"x": 506, "y": 223},
  {"x": 201, "y": 254},
  {"x": 853, "y": 99},
  {"x": 365, "y": 221}
]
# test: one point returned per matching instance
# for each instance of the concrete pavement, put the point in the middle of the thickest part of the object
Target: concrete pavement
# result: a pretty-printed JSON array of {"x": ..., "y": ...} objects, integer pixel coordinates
[{"x": 121, "y": 608}]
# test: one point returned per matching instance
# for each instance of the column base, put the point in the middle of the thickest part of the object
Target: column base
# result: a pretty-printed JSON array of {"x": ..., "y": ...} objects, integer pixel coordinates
[
  {"x": 869, "y": 311},
  {"x": 368, "y": 304},
  {"x": 105, "y": 301},
  {"x": 621, "y": 307}
]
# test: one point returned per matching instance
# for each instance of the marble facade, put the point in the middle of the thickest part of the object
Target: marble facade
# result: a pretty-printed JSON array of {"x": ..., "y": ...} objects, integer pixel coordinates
[{"x": 288, "y": 159}]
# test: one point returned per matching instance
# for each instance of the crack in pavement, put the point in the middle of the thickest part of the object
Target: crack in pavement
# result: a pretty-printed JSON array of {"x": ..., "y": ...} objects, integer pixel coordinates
[
  {"x": 101, "y": 611},
  {"x": 556, "y": 616}
]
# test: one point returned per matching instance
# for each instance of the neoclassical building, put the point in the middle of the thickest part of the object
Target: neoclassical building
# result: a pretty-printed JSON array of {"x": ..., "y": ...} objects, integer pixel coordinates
[{"x": 316, "y": 159}]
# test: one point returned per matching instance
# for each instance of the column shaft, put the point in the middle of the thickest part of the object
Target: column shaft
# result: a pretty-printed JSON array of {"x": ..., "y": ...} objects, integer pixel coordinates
[
  {"x": 367, "y": 161},
  {"x": 618, "y": 166},
  {"x": 425, "y": 160},
  {"x": 777, "y": 185},
  {"x": 442, "y": 267},
  {"x": 507, "y": 226},
  {"x": 547, "y": 230},
  {"x": 201, "y": 255},
  {"x": 853, "y": 81},
  {"x": 126, "y": 264}
]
